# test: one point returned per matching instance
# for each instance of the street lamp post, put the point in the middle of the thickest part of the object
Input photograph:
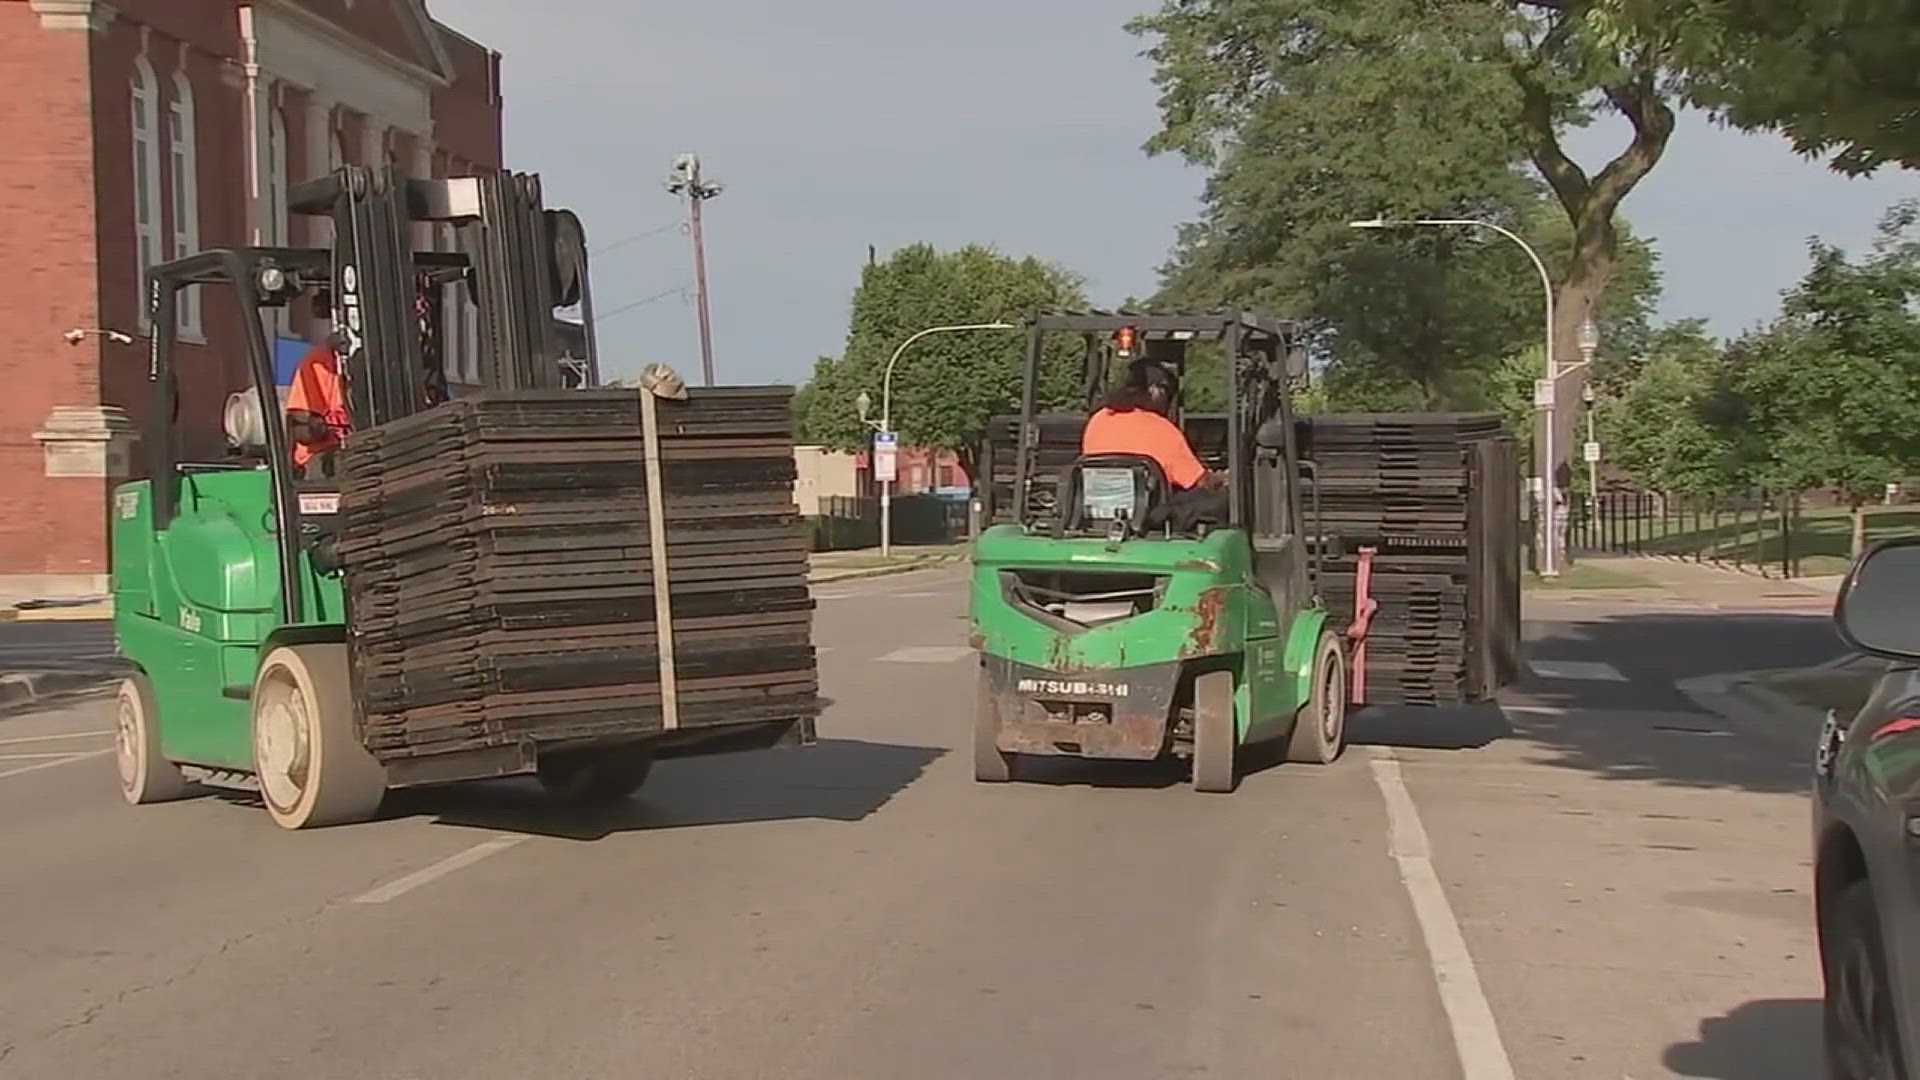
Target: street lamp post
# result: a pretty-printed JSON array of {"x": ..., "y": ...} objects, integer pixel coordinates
[
  {"x": 885, "y": 424},
  {"x": 1544, "y": 397},
  {"x": 1590, "y": 344}
]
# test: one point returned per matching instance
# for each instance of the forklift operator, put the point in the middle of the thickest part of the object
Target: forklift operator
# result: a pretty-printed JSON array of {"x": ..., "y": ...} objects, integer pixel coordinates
[
  {"x": 316, "y": 403},
  {"x": 1133, "y": 420}
]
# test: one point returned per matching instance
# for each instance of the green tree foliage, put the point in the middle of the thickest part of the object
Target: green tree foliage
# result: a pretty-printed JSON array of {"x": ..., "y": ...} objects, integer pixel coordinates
[
  {"x": 1654, "y": 427},
  {"x": 1312, "y": 113},
  {"x": 1838, "y": 77},
  {"x": 1829, "y": 395},
  {"x": 945, "y": 386}
]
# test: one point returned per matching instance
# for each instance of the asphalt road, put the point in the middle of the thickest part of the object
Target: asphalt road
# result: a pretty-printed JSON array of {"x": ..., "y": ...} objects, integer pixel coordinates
[{"x": 1596, "y": 881}]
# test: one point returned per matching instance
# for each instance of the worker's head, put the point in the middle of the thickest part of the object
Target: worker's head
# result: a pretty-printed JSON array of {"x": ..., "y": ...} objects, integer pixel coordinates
[{"x": 1149, "y": 385}]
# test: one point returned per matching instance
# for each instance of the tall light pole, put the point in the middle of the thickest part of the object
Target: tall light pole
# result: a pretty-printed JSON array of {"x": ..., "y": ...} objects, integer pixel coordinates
[
  {"x": 685, "y": 180},
  {"x": 1590, "y": 344},
  {"x": 884, "y": 426},
  {"x": 1544, "y": 398}
]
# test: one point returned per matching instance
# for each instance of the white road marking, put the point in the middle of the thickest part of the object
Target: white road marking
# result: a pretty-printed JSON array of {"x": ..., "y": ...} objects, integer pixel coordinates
[
  {"x": 402, "y": 886},
  {"x": 70, "y": 758},
  {"x": 1537, "y": 710},
  {"x": 1585, "y": 670},
  {"x": 912, "y": 595},
  {"x": 1476, "y": 1036},
  {"x": 927, "y": 654},
  {"x": 40, "y": 756},
  {"x": 50, "y": 738},
  {"x": 831, "y": 595}
]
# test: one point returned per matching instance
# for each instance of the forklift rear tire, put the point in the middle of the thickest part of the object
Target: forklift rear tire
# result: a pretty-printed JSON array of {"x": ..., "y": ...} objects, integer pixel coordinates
[
  {"x": 593, "y": 778},
  {"x": 990, "y": 765},
  {"x": 1216, "y": 743},
  {"x": 145, "y": 776},
  {"x": 312, "y": 768},
  {"x": 1320, "y": 727}
]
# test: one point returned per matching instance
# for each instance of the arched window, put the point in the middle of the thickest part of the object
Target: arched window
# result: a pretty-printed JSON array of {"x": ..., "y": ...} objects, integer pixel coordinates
[
  {"x": 144, "y": 116},
  {"x": 276, "y": 226},
  {"x": 183, "y": 161}
]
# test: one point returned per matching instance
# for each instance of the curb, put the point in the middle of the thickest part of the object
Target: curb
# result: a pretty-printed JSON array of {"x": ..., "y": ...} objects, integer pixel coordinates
[
  {"x": 26, "y": 691},
  {"x": 87, "y": 613},
  {"x": 826, "y": 577}
]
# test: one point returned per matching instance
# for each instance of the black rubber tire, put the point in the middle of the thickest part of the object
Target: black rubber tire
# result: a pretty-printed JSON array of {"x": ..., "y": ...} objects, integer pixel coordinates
[
  {"x": 1320, "y": 727},
  {"x": 146, "y": 776},
  {"x": 1862, "y": 1033},
  {"x": 990, "y": 766},
  {"x": 307, "y": 754},
  {"x": 1216, "y": 741},
  {"x": 595, "y": 778}
]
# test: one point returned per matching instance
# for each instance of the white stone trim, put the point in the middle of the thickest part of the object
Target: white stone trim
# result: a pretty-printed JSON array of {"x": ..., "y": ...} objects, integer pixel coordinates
[
  {"x": 93, "y": 15},
  {"x": 336, "y": 69}
]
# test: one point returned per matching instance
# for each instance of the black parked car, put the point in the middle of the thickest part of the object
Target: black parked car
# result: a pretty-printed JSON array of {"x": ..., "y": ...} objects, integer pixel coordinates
[{"x": 1867, "y": 831}]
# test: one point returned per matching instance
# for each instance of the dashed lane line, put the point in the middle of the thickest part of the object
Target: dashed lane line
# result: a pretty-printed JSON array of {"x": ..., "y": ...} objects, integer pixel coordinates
[
  {"x": 1580, "y": 670},
  {"x": 401, "y": 886},
  {"x": 68, "y": 760},
  {"x": 927, "y": 654}
]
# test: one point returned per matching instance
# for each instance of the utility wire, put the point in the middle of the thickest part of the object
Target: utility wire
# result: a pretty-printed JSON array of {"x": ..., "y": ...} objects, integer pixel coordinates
[
  {"x": 637, "y": 237},
  {"x": 601, "y": 317}
]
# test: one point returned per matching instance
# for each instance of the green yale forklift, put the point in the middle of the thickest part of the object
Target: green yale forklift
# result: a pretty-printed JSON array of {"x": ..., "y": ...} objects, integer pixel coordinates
[
  {"x": 228, "y": 598},
  {"x": 1115, "y": 631}
]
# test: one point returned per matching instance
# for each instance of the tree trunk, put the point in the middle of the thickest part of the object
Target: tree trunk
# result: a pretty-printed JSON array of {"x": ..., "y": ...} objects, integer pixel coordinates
[{"x": 1858, "y": 508}]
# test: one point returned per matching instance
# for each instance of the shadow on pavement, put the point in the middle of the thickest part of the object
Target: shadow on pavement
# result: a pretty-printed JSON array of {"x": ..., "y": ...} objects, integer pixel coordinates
[
  {"x": 1467, "y": 727},
  {"x": 833, "y": 780},
  {"x": 1643, "y": 728},
  {"x": 1761, "y": 1040}
]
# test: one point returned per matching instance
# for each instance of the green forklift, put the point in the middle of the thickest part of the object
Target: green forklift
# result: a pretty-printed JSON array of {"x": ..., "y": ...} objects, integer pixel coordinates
[
  {"x": 228, "y": 598},
  {"x": 1108, "y": 630}
]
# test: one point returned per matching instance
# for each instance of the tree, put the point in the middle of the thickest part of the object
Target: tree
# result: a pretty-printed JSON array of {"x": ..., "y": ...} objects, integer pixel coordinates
[
  {"x": 1656, "y": 426},
  {"x": 945, "y": 387},
  {"x": 1421, "y": 104},
  {"x": 1837, "y": 77},
  {"x": 1829, "y": 395}
]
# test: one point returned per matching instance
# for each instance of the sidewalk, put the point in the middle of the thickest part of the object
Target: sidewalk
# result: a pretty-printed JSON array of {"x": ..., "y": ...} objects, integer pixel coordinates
[{"x": 1712, "y": 587}]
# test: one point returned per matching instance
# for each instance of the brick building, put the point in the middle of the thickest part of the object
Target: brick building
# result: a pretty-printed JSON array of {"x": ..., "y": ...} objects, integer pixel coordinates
[{"x": 135, "y": 131}]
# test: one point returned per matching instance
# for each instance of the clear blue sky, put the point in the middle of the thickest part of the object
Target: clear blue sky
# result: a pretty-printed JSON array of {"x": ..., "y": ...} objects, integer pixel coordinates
[{"x": 843, "y": 123}]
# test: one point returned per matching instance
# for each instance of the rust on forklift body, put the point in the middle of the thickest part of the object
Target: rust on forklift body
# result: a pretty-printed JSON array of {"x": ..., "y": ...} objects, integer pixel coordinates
[{"x": 1206, "y": 622}]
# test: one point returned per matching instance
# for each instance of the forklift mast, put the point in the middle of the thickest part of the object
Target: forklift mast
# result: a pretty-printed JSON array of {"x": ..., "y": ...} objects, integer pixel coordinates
[{"x": 524, "y": 263}]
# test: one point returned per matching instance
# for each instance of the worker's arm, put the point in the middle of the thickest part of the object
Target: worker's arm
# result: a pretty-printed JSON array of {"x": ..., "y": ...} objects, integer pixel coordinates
[
  {"x": 1182, "y": 466},
  {"x": 306, "y": 428}
]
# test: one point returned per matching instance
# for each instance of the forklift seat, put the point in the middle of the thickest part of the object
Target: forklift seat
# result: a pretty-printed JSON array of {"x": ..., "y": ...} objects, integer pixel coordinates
[{"x": 1124, "y": 494}]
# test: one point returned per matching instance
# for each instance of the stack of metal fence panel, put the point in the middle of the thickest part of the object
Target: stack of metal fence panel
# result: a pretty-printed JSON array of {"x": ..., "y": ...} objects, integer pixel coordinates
[
  {"x": 500, "y": 582},
  {"x": 1423, "y": 492}
]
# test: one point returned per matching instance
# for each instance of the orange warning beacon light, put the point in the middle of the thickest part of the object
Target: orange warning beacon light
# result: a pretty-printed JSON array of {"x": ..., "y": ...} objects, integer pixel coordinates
[{"x": 1123, "y": 341}]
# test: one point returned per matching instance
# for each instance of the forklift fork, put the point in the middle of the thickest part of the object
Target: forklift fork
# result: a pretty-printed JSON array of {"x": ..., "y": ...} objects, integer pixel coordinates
[{"x": 1364, "y": 605}]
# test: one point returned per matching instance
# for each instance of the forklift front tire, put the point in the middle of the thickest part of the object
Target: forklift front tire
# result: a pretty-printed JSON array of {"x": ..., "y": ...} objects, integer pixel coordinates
[
  {"x": 1216, "y": 742},
  {"x": 312, "y": 768},
  {"x": 593, "y": 778},
  {"x": 145, "y": 776},
  {"x": 990, "y": 765}
]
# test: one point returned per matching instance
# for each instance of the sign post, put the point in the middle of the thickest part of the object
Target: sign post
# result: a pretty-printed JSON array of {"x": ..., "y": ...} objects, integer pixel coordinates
[{"x": 886, "y": 447}]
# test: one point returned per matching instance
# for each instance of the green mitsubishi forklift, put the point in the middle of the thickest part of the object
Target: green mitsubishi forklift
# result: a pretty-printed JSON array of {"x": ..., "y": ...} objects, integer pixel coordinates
[
  {"x": 1108, "y": 629},
  {"x": 228, "y": 598}
]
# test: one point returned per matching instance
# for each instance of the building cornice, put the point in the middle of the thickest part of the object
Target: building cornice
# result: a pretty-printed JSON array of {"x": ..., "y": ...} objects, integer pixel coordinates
[
  {"x": 346, "y": 39},
  {"x": 92, "y": 15}
]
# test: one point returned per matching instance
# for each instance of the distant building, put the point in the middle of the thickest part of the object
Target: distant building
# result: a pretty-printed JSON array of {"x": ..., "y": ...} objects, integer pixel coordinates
[{"x": 141, "y": 130}]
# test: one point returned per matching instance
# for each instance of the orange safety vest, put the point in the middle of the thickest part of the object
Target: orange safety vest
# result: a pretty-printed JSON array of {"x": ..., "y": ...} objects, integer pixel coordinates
[
  {"x": 316, "y": 389},
  {"x": 1147, "y": 433}
]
